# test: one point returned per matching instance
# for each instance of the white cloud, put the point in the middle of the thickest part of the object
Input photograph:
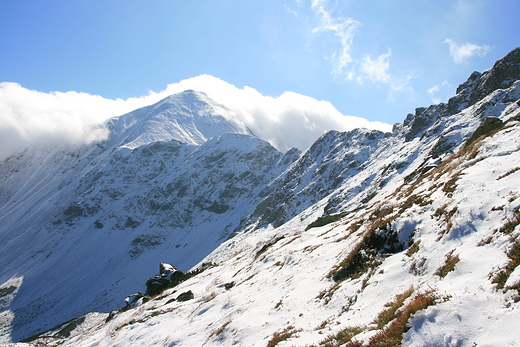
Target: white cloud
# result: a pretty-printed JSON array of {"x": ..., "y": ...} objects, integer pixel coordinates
[
  {"x": 462, "y": 52},
  {"x": 32, "y": 118},
  {"x": 440, "y": 92},
  {"x": 377, "y": 70},
  {"x": 345, "y": 65},
  {"x": 343, "y": 28}
]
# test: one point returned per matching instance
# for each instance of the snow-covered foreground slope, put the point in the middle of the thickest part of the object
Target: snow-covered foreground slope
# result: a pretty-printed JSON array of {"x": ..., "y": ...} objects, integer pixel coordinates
[{"x": 365, "y": 239}]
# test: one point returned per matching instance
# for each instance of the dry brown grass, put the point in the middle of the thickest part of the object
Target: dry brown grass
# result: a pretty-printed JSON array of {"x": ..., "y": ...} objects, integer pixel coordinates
[
  {"x": 392, "y": 334},
  {"x": 513, "y": 170},
  {"x": 219, "y": 331},
  {"x": 282, "y": 336},
  {"x": 502, "y": 276},
  {"x": 448, "y": 266},
  {"x": 387, "y": 315},
  {"x": 343, "y": 338}
]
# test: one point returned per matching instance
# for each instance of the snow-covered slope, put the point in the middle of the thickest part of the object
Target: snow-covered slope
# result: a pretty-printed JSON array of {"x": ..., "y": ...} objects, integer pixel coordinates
[{"x": 365, "y": 239}]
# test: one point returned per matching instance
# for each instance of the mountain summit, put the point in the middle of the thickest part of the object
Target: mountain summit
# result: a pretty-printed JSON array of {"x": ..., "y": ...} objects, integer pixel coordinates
[
  {"x": 189, "y": 117},
  {"x": 366, "y": 238}
]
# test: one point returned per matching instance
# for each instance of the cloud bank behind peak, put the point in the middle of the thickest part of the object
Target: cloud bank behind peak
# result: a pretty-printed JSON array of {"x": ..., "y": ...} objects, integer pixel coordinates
[{"x": 30, "y": 118}]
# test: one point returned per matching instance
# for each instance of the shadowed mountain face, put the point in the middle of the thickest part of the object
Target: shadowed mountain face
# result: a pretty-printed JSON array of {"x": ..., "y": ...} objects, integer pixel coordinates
[{"x": 175, "y": 181}]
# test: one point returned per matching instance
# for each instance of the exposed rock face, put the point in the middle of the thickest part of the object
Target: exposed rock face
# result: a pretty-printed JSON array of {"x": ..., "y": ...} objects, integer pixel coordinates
[
  {"x": 185, "y": 296},
  {"x": 503, "y": 74}
]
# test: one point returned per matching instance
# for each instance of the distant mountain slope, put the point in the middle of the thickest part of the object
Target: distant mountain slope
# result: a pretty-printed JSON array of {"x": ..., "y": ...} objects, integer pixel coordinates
[
  {"x": 173, "y": 178},
  {"x": 365, "y": 239}
]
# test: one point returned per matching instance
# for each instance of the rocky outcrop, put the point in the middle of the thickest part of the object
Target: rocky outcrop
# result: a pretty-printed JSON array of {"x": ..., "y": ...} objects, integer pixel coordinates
[
  {"x": 168, "y": 276},
  {"x": 501, "y": 76}
]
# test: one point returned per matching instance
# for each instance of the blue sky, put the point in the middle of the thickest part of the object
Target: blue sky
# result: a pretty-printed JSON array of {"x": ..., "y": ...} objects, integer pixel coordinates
[{"x": 377, "y": 59}]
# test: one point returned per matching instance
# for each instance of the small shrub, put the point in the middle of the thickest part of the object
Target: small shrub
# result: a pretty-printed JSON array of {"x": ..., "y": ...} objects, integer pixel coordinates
[
  {"x": 7, "y": 290},
  {"x": 487, "y": 128},
  {"x": 185, "y": 296},
  {"x": 500, "y": 279},
  {"x": 367, "y": 255},
  {"x": 451, "y": 185}
]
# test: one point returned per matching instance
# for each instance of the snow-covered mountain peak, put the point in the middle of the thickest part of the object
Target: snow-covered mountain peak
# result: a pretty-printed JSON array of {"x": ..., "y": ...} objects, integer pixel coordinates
[{"x": 189, "y": 117}]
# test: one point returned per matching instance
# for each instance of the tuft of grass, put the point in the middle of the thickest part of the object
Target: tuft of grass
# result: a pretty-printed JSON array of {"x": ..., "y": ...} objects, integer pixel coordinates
[
  {"x": 414, "y": 248},
  {"x": 217, "y": 332},
  {"x": 451, "y": 185},
  {"x": 515, "y": 286},
  {"x": 448, "y": 215},
  {"x": 485, "y": 241},
  {"x": 327, "y": 294},
  {"x": 418, "y": 266},
  {"x": 392, "y": 334},
  {"x": 414, "y": 199},
  {"x": 509, "y": 172},
  {"x": 266, "y": 246},
  {"x": 283, "y": 335},
  {"x": 502, "y": 276},
  {"x": 448, "y": 266},
  {"x": 387, "y": 315},
  {"x": 343, "y": 338},
  {"x": 510, "y": 225}
]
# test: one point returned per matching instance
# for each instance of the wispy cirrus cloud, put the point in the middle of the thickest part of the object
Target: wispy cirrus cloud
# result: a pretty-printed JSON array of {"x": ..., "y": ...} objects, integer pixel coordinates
[
  {"x": 345, "y": 63},
  {"x": 463, "y": 52},
  {"x": 377, "y": 71},
  {"x": 343, "y": 28}
]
